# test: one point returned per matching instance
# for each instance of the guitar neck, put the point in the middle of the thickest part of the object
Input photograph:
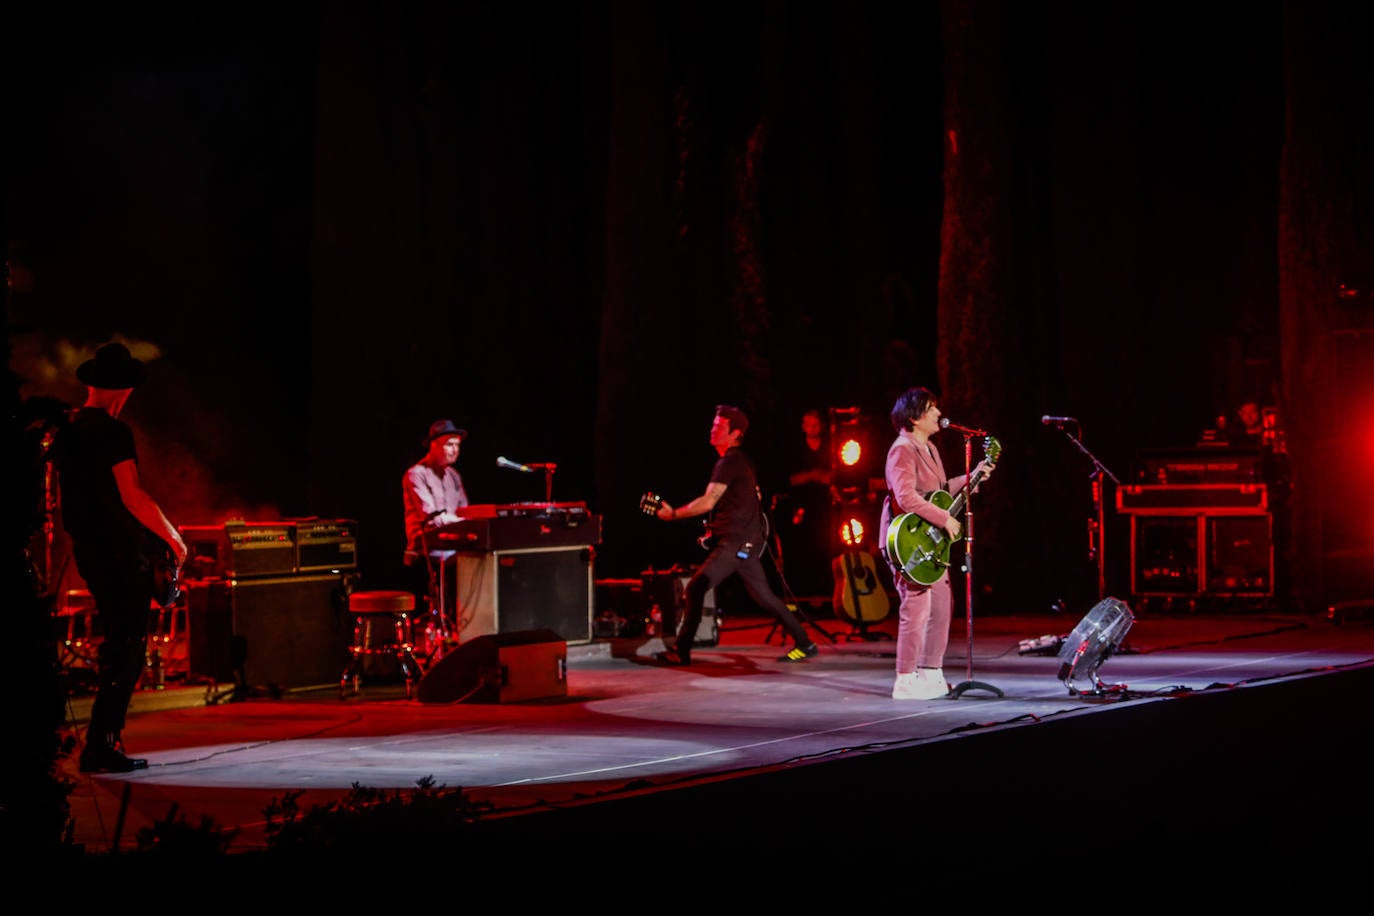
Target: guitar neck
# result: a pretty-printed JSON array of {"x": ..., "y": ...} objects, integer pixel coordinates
[{"x": 957, "y": 506}]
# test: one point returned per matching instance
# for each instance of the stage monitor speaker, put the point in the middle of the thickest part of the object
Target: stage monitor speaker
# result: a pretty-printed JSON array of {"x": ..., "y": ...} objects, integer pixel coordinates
[
  {"x": 285, "y": 632},
  {"x": 499, "y": 668},
  {"x": 509, "y": 591}
]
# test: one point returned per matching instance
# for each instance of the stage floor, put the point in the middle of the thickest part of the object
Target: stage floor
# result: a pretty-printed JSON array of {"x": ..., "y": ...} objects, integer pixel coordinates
[{"x": 1219, "y": 726}]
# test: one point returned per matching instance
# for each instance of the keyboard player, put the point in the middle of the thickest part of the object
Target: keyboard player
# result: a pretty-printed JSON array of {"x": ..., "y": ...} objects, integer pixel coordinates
[{"x": 433, "y": 492}]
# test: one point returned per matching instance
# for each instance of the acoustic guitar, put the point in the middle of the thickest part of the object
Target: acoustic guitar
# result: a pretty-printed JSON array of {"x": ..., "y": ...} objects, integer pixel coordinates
[
  {"x": 859, "y": 596},
  {"x": 919, "y": 549}
]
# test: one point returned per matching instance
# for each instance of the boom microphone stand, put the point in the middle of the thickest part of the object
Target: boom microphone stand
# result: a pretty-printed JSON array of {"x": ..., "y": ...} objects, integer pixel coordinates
[
  {"x": 969, "y": 684},
  {"x": 1096, "y": 529}
]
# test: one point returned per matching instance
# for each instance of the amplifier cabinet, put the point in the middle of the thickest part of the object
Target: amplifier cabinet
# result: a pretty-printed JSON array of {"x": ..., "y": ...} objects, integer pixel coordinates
[
  {"x": 326, "y": 544},
  {"x": 1231, "y": 499},
  {"x": 237, "y": 550},
  {"x": 507, "y": 591},
  {"x": 285, "y": 632},
  {"x": 1208, "y": 554}
]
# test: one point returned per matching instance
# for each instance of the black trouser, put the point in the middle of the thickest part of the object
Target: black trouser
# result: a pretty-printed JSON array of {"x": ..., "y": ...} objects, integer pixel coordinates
[
  {"x": 721, "y": 563},
  {"x": 123, "y": 601}
]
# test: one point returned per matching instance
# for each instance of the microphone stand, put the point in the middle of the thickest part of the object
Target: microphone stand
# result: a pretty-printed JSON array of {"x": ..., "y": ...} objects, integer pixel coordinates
[
  {"x": 1096, "y": 530},
  {"x": 549, "y": 467},
  {"x": 969, "y": 683}
]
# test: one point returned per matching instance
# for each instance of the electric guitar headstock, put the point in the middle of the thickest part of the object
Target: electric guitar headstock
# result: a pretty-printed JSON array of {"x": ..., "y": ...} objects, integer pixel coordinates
[
  {"x": 992, "y": 450},
  {"x": 650, "y": 503}
]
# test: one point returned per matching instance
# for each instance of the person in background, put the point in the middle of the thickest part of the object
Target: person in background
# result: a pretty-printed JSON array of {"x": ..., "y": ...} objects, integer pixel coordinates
[
  {"x": 121, "y": 543},
  {"x": 1250, "y": 432},
  {"x": 913, "y": 471},
  {"x": 732, "y": 502},
  {"x": 433, "y": 492},
  {"x": 802, "y": 515}
]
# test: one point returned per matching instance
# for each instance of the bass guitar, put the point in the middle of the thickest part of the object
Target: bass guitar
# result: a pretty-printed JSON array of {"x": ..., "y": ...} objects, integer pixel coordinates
[{"x": 918, "y": 549}]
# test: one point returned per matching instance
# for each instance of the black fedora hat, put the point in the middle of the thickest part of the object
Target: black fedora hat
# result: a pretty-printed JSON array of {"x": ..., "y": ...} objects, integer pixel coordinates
[
  {"x": 440, "y": 428},
  {"x": 113, "y": 366}
]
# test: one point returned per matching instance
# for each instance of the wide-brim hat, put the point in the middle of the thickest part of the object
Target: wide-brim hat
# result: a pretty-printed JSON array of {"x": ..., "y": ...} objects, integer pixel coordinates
[
  {"x": 440, "y": 428},
  {"x": 113, "y": 367}
]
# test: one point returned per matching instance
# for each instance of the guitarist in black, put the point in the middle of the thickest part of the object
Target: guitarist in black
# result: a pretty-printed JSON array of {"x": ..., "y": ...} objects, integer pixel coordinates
[
  {"x": 914, "y": 471},
  {"x": 121, "y": 542},
  {"x": 737, "y": 527}
]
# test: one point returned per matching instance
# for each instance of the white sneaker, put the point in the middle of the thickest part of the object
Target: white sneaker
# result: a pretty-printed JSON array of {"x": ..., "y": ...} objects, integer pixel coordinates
[
  {"x": 908, "y": 687},
  {"x": 936, "y": 677},
  {"x": 918, "y": 686}
]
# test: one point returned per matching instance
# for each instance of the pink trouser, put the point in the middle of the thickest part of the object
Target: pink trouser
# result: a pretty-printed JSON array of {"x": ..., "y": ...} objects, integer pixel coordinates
[{"x": 923, "y": 619}]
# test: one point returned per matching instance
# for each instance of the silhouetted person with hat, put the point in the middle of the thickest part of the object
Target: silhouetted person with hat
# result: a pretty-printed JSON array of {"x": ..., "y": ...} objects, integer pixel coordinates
[
  {"x": 433, "y": 491},
  {"x": 121, "y": 542}
]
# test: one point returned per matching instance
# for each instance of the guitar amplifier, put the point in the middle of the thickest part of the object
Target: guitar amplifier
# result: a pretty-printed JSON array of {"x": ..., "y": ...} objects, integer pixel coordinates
[
  {"x": 665, "y": 601},
  {"x": 240, "y": 550},
  {"x": 708, "y": 630},
  {"x": 1191, "y": 499},
  {"x": 324, "y": 544}
]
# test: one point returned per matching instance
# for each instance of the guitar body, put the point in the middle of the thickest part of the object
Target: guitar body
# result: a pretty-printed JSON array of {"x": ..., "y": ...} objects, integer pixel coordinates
[
  {"x": 859, "y": 596},
  {"x": 166, "y": 574},
  {"x": 650, "y": 503},
  {"x": 919, "y": 548}
]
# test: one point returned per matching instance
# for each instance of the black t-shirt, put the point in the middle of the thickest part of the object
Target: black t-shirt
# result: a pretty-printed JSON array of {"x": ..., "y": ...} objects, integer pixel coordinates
[
  {"x": 737, "y": 516},
  {"x": 85, "y": 453}
]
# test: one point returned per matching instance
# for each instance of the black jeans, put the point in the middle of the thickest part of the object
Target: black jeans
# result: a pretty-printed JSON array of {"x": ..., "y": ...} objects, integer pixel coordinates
[
  {"x": 123, "y": 600},
  {"x": 721, "y": 563}
]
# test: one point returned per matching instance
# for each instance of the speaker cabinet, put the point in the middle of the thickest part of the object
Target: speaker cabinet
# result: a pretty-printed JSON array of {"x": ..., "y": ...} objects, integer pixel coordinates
[
  {"x": 1202, "y": 554},
  {"x": 287, "y": 632},
  {"x": 1240, "y": 555},
  {"x": 499, "y": 668},
  {"x": 509, "y": 591}
]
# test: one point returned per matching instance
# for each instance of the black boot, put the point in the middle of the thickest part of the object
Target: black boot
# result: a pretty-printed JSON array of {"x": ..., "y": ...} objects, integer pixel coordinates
[{"x": 105, "y": 754}]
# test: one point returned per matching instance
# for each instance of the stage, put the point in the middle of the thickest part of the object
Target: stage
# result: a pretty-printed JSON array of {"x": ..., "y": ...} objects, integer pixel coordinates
[{"x": 1226, "y": 744}]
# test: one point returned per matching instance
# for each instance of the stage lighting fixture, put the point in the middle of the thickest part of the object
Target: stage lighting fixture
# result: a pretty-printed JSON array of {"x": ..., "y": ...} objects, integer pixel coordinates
[
  {"x": 1098, "y": 635},
  {"x": 853, "y": 453},
  {"x": 852, "y": 532}
]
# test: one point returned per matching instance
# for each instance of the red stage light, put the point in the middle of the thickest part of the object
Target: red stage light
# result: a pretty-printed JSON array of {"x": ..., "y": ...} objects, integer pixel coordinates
[
  {"x": 852, "y": 532},
  {"x": 851, "y": 452}
]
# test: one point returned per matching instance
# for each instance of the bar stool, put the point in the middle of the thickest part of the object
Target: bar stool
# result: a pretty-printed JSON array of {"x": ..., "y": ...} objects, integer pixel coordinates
[
  {"x": 77, "y": 608},
  {"x": 381, "y": 626}
]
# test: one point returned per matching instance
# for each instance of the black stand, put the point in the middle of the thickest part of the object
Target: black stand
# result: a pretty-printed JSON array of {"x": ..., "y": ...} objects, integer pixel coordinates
[
  {"x": 1096, "y": 525},
  {"x": 969, "y": 683},
  {"x": 791, "y": 601}
]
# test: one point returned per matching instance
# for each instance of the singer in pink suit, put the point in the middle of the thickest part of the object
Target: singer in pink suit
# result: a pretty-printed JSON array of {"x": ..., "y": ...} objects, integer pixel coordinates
[{"x": 914, "y": 471}]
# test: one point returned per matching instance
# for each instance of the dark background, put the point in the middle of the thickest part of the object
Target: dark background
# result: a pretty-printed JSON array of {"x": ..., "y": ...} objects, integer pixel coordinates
[{"x": 575, "y": 229}]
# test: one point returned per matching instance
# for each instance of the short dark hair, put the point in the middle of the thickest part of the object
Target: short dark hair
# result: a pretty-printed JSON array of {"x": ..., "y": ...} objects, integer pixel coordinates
[
  {"x": 910, "y": 405},
  {"x": 734, "y": 416}
]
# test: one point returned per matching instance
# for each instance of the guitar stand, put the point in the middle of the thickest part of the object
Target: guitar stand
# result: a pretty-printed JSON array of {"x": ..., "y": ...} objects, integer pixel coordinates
[
  {"x": 860, "y": 631},
  {"x": 795, "y": 606}
]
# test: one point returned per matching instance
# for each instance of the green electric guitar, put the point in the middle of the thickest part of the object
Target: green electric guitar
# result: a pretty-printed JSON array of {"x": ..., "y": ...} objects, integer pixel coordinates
[{"x": 918, "y": 549}]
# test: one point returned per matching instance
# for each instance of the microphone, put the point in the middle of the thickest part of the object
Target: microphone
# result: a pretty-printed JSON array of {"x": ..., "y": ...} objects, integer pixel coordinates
[
  {"x": 1057, "y": 421},
  {"x": 513, "y": 466},
  {"x": 946, "y": 424}
]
